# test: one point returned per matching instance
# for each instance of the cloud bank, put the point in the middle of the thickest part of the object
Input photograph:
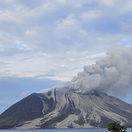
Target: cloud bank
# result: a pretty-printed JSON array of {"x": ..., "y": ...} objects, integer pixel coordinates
[
  {"x": 38, "y": 38},
  {"x": 111, "y": 74}
]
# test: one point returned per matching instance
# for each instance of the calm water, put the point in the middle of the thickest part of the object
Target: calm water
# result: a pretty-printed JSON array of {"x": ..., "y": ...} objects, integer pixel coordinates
[{"x": 63, "y": 130}]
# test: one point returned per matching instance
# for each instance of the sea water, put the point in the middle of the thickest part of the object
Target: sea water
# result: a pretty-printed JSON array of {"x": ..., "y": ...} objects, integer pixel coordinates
[{"x": 64, "y": 130}]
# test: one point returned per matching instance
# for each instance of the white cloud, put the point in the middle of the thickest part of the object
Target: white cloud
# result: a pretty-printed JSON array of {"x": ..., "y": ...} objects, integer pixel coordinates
[
  {"x": 68, "y": 24},
  {"x": 109, "y": 3},
  {"x": 42, "y": 38},
  {"x": 49, "y": 66},
  {"x": 6, "y": 1},
  {"x": 62, "y": 1},
  {"x": 8, "y": 16},
  {"x": 31, "y": 32},
  {"x": 90, "y": 15}
]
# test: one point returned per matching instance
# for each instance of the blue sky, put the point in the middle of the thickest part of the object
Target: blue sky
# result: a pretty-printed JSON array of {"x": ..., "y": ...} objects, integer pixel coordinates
[{"x": 53, "y": 39}]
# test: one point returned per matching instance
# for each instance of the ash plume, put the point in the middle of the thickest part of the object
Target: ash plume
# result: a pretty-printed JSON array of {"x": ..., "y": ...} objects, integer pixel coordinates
[{"x": 112, "y": 74}]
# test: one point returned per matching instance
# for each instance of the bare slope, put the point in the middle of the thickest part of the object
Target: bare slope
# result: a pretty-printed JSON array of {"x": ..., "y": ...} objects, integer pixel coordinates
[{"x": 65, "y": 108}]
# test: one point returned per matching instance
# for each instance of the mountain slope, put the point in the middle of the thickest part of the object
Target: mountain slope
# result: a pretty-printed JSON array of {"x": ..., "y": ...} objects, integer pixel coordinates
[{"x": 65, "y": 108}]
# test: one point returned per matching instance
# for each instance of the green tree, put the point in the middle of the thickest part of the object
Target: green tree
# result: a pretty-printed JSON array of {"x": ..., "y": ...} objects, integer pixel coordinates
[{"x": 116, "y": 127}]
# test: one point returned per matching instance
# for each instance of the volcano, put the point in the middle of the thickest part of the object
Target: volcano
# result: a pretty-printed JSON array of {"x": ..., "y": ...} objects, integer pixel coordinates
[{"x": 66, "y": 108}]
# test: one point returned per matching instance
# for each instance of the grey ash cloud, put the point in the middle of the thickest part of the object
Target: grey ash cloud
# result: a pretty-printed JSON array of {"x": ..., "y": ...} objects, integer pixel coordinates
[{"x": 111, "y": 74}]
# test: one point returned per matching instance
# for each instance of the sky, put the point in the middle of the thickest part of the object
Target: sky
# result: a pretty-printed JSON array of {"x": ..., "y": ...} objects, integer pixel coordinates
[{"x": 44, "y": 43}]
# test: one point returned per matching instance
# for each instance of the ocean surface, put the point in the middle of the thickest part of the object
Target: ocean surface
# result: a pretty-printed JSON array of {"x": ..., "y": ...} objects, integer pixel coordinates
[{"x": 64, "y": 130}]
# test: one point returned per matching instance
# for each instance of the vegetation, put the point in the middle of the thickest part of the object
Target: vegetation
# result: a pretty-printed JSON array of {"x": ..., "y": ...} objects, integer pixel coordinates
[{"x": 116, "y": 127}]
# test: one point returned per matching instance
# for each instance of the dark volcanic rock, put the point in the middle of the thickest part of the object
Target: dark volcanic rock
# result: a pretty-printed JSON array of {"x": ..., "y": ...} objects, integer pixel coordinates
[
  {"x": 27, "y": 109},
  {"x": 31, "y": 107}
]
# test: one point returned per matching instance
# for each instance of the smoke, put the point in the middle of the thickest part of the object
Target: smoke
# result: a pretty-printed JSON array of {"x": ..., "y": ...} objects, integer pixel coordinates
[{"x": 112, "y": 74}]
